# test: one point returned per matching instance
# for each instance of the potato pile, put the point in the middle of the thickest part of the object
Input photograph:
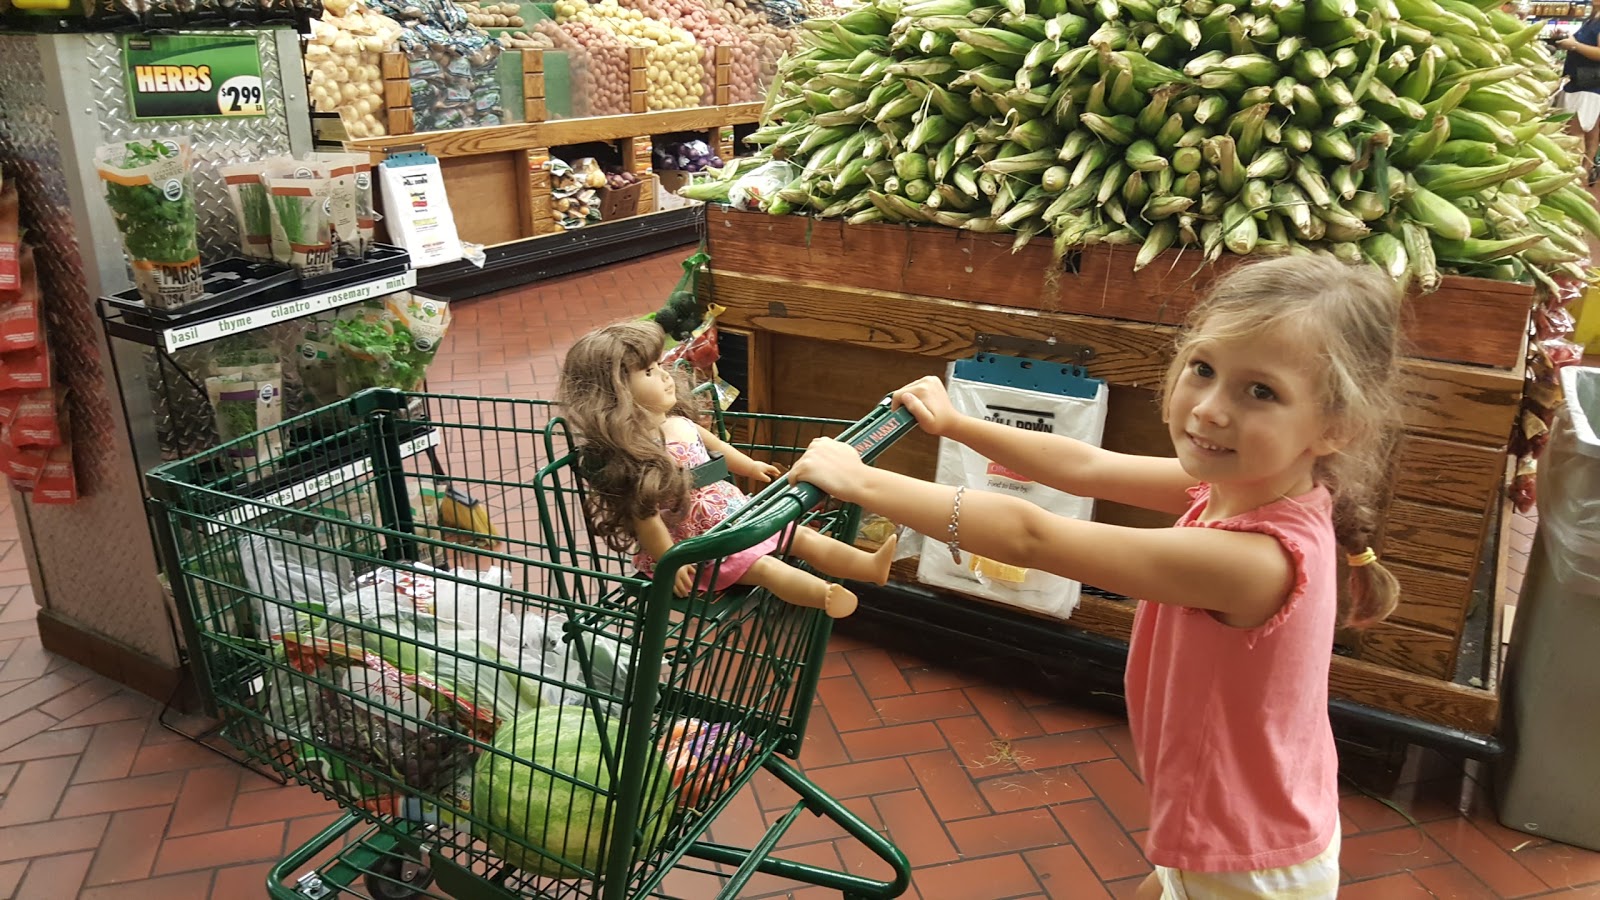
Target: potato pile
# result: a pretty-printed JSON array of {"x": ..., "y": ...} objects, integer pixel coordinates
[
  {"x": 343, "y": 62},
  {"x": 522, "y": 40},
  {"x": 501, "y": 15},
  {"x": 711, "y": 27},
  {"x": 756, "y": 54},
  {"x": 606, "y": 30}
]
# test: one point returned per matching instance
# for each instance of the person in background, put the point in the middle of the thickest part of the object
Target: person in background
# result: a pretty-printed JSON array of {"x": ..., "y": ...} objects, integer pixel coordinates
[{"x": 1583, "y": 52}]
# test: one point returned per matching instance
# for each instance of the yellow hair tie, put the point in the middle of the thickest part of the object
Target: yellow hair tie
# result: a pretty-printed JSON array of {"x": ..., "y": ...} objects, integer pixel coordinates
[{"x": 1365, "y": 558}]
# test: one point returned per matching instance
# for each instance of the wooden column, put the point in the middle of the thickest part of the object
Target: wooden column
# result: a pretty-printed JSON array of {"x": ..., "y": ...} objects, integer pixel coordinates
[
  {"x": 540, "y": 219},
  {"x": 397, "y": 93},
  {"x": 638, "y": 80},
  {"x": 722, "y": 75},
  {"x": 533, "y": 90}
]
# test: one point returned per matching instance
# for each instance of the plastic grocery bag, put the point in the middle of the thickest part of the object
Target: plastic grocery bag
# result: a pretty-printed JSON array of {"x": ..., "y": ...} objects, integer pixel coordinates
[
  {"x": 286, "y": 572},
  {"x": 603, "y": 666},
  {"x": 753, "y": 190},
  {"x": 1035, "y": 396},
  {"x": 1569, "y": 476},
  {"x": 454, "y": 632}
]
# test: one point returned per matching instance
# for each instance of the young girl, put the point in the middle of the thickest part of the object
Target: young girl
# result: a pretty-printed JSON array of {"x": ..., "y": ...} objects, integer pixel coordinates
[
  {"x": 637, "y": 433},
  {"x": 1278, "y": 403}
]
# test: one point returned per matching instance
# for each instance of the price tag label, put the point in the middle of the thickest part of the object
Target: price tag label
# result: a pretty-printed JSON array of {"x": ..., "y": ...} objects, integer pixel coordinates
[
  {"x": 240, "y": 95},
  {"x": 193, "y": 76}
]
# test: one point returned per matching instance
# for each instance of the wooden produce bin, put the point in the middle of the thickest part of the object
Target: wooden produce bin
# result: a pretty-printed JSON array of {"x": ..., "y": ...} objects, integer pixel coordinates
[
  {"x": 486, "y": 167},
  {"x": 839, "y": 315}
]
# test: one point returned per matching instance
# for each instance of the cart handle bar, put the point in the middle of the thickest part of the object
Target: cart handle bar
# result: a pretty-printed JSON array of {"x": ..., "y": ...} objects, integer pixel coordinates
[{"x": 779, "y": 504}]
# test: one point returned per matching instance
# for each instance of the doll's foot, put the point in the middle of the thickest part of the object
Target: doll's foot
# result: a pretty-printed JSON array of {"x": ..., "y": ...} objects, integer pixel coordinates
[
  {"x": 883, "y": 559},
  {"x": 840, "y": 602}
]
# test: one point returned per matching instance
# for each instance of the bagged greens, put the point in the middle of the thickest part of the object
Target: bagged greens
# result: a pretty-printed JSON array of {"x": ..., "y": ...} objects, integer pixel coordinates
[
  {"x": 390, "y": 345},
  {"x": 252, "y": 211},
  {"x": 342, "y": 173},
  {"x": 301, "y": 212},
  {"x": 152, "y": 202},
  {"x": 247, "y": 399}
]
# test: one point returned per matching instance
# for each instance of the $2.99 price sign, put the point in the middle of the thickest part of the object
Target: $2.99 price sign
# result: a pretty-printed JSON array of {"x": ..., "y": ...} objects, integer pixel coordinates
[{"x": 193, "y": 76}]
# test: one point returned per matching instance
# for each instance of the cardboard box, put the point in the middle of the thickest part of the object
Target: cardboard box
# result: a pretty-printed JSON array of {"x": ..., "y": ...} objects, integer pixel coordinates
[
  {"x": 620, "y": 203},
  {"x": 673, "y": 181}
]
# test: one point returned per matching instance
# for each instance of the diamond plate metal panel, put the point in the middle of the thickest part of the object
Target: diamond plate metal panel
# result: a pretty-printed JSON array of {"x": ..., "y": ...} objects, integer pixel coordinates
[{"x": 106, "y": 583}]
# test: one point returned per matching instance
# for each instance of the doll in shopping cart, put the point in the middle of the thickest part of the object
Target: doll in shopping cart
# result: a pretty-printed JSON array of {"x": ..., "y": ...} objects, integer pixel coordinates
[{"x": 640, "y": 442}]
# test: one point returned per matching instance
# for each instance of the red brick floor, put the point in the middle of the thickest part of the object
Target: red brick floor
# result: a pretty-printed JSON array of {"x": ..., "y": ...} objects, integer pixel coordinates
[{"x": 993, "y": 792}]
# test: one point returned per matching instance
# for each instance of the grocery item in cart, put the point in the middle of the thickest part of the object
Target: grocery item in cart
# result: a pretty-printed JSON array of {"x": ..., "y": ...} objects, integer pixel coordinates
[
  {"x": 402, "y": 724},
  {"x": 152, "y": 201},
  {"x": 547, "y": 785},
  {"x": 704, "y": 755}
]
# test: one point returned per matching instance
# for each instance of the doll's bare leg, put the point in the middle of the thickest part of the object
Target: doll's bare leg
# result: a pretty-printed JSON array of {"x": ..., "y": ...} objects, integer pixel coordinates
[
  {"x": 799, "y": 587},
  {"x": 841, "y": 560}
]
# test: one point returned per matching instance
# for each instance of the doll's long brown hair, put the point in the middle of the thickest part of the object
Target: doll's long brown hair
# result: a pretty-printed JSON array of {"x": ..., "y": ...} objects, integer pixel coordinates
[{"x": 628, "y": 472}]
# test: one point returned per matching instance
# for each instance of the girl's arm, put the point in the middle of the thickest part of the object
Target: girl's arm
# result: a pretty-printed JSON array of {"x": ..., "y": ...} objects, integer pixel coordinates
[
  {"x": 656, "y": 540},
  {"x": 1582, "y": 49},
  {"x": 738, "y": 462},
  {"x": 1244, "y": 576},
  {"x": 1148, "y": 482}
]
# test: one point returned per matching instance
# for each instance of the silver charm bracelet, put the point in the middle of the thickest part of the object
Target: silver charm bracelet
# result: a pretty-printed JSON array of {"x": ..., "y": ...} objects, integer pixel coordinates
[{"x": 955, "y": 527}]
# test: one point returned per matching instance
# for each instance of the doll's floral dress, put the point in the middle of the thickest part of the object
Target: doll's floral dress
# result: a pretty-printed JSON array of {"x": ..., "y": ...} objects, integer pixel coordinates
[{"x": 706, "y": 507}]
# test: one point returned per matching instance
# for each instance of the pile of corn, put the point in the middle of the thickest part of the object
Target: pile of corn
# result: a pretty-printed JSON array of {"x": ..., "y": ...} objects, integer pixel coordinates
[{"x": 1416, "y": 134}]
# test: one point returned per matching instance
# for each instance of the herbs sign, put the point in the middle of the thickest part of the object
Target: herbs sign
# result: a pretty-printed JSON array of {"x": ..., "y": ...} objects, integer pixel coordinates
[{"x": 193, "y": 76}]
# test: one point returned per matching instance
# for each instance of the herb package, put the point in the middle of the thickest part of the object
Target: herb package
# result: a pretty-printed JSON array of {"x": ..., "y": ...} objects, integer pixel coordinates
[
  {"x": 152, "y": 201},
  {"x": 300, "y": 212},
  {"x": 252, "y": 211},
  {"x": 249, "y": 400},
  {"x": 343, "y": 194},
  {"x": 390, "y": 345},
  {"x": 318, "y": 362}
]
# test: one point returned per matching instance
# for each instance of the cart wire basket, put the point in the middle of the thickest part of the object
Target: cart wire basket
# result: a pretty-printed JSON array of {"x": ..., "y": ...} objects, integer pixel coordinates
[{"x": 397, "y": 601}]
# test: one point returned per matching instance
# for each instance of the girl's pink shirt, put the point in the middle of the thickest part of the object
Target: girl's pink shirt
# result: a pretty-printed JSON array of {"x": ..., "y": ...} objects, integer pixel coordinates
[{"x": 1231, "y": 724}]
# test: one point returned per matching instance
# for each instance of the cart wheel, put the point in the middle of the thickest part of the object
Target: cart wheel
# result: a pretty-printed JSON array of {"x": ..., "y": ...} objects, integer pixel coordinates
[{"x": 397, "y": 878}]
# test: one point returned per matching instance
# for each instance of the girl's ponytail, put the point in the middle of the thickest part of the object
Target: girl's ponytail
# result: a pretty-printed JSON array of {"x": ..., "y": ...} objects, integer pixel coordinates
[{"x": 1374, "y": 592}]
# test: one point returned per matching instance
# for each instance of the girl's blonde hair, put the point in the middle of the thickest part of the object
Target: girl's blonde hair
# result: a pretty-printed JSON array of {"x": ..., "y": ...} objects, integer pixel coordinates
[
  {"x": 627, "y": 470},
  {"x": 1350, "y": 315}
]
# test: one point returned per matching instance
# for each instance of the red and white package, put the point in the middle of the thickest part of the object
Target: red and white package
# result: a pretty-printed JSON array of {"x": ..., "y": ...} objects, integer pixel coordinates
[
  {"x": 10, "y": 238},
  {"x": 19, "y": 317},
  {"x": 34, "y": 418},
  {"x": 27, "y": 370},
  {"x": 57, "y": 481},
  {"x": 22, "y": 465}
]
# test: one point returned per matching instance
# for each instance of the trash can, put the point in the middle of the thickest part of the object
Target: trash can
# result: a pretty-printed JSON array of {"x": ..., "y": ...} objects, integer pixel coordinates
[{"x": 1549, "y": 777}]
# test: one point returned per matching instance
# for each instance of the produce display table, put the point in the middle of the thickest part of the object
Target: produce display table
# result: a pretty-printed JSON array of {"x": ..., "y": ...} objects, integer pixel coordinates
[
  {"x": 837, "y": 315},
  {"x": 484, "y": 168}
]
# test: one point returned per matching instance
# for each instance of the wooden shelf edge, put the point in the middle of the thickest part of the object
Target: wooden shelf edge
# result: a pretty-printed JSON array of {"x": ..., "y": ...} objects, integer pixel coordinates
[{"x": 510, "y": 138}]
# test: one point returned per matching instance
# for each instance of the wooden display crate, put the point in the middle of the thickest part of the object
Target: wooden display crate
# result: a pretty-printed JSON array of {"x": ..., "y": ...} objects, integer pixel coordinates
[{"x": 839, "y": 315}]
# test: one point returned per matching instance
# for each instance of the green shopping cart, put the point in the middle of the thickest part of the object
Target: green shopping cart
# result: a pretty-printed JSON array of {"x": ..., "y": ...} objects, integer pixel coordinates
[{"x": 396, "y": 602}]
